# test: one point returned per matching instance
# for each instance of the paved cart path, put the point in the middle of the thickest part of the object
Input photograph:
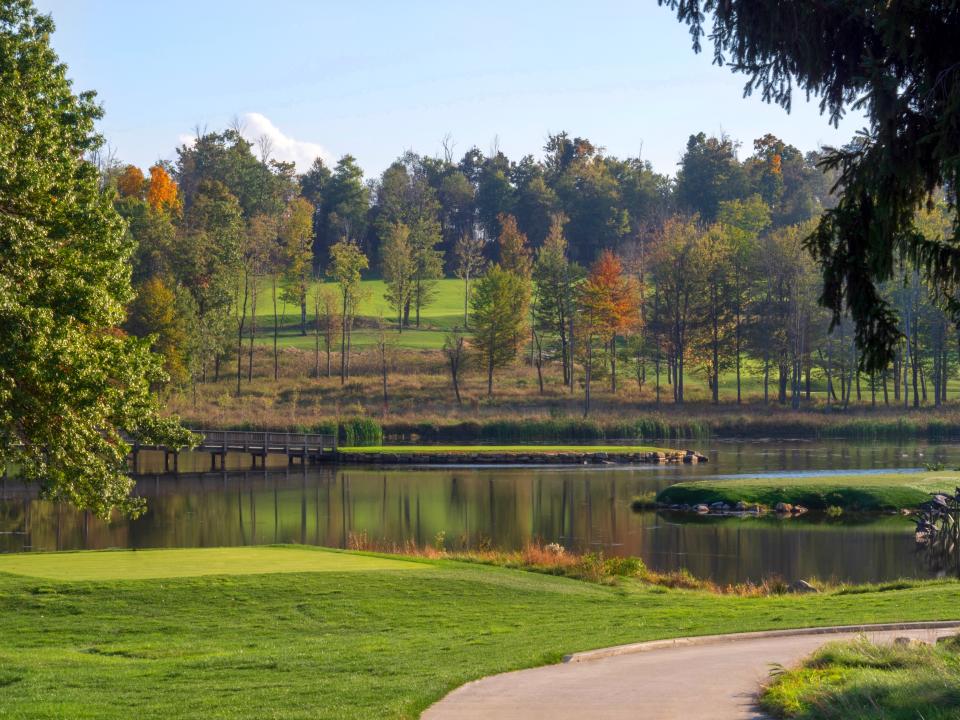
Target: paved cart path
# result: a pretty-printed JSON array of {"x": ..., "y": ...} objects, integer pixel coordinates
[{"x": 708, "y": 679}]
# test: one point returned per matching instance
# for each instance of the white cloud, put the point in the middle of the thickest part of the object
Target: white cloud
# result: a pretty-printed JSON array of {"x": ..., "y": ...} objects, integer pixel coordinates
[{"x": 282, "y": 147}]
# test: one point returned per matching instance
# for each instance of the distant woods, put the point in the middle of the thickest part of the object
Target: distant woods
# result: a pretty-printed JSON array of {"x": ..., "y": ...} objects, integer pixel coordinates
[{"x": 579, "y": 263}]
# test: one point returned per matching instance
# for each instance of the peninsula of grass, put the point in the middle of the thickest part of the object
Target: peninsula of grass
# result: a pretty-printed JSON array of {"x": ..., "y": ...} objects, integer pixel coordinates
[
  {"x": 867, "y": 681},
  {"x": 854, "y": 492},
  {"x": 502, "y": 449},
  {"x": 321, "y": 635}
]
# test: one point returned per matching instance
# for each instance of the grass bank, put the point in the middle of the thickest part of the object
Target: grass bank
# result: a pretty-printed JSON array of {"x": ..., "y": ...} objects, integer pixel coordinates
[
  {"x": 853, "y": 492},
  {"x": 501, "y": 449},
  {"x": 363, "y": 643},
  {"x": 867, "y": 681}
]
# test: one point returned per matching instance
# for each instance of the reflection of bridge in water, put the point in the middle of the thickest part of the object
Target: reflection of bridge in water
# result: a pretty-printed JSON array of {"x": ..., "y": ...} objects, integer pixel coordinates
[{"x": 307, "y": 447}]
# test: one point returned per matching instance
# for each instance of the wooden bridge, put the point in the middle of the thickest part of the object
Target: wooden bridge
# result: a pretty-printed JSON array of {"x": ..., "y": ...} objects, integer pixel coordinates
[{"x": 307, "y": 447}]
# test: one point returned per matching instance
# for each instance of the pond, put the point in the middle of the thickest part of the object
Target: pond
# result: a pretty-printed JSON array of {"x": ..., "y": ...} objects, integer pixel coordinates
[{"x": 584, "y": 508}]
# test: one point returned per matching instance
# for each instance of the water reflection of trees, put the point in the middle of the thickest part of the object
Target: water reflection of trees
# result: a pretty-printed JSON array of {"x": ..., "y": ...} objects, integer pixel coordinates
[{"x": 585, "y": 508}]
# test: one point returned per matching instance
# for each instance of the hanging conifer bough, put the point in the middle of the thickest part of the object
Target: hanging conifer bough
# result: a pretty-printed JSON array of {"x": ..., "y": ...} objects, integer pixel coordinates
[
  {"x": 72, "y": 385},
  {"x": 898, "y": 61}
]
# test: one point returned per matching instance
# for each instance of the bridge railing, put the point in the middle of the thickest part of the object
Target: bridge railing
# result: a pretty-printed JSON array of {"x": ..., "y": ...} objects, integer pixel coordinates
[{"x": 267, "y": 441}]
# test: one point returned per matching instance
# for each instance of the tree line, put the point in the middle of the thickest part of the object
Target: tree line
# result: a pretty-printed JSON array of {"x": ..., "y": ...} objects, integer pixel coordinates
[{"x": 593, "y": 266}]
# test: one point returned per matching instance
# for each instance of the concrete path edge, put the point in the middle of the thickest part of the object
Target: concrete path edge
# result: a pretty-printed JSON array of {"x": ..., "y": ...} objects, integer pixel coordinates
[{"x": 640, "y": 647}]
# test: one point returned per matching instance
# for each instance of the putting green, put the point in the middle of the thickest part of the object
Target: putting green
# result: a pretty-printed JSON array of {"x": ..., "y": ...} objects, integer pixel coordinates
[{"x": 192, "y": 562}]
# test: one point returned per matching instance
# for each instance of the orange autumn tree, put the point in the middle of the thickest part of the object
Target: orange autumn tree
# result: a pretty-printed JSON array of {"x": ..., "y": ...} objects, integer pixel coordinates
[
  {"x": 162, "y": 195},
  {"x": 609, "y": 305},
  {"x": 130, "y": 182}
]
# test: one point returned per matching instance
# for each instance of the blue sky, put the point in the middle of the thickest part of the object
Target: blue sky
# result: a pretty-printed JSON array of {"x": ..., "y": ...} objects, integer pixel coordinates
[{"x": 374, "y": 78}]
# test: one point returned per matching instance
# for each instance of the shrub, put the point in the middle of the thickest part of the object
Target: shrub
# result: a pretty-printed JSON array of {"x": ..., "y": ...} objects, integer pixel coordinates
[{"x": 361, "y": 431}]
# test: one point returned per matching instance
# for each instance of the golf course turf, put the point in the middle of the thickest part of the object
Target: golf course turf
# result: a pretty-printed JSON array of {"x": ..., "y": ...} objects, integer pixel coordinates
[
  {"x": 855, "y": 492},
  {"x": 357, "y": 643}
]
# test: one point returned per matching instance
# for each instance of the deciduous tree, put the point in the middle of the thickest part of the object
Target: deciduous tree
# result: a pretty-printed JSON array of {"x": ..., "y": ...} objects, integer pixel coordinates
[
  {"x": 498, "y": 325},
  {"x": 399, "y": 269},
  {"x": 73, "y": 386},
  {"x": 347, "y": 261}
]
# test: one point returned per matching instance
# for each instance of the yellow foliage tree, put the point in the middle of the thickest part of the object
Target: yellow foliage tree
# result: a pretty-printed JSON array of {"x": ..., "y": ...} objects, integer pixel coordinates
[
  {"x": 131, "y": 182},
  {"x": 162, "y": 194}
]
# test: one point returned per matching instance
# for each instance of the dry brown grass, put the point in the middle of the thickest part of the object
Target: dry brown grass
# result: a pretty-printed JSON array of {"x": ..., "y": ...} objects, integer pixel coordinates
[
  {"x": 421, "y": 402},
  {"x": 553, "y": 559}
]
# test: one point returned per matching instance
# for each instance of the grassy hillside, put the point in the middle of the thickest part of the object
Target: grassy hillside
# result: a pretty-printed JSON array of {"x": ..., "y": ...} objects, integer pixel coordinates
[
  {"x": 444, "y": 313},
  {"x": 363, "y": 643}
]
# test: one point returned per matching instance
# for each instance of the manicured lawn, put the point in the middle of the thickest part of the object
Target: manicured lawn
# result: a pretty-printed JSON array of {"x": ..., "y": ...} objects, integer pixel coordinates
[
  {"x": 506, "y": 449},
  {"x": 357, "y": 644},
  {"x": 850, "y": 492},
  {"x": 870, "y": 682},
  {"x": 191, "y": 562},
  {"x": 445, "y": 310}
]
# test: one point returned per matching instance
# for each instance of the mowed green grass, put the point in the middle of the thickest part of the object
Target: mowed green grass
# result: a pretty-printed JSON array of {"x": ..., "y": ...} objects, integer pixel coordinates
[
  {"x": 505, "y": 449},
  {"x": 192, "y": 562},
  {"x": 443, "y": 313},
  {"x": 870, "y": 681},
  {"x": 851, "y": 492},
  {"x": 358, "y": 644},
  {"x": 445, "y": 309}
]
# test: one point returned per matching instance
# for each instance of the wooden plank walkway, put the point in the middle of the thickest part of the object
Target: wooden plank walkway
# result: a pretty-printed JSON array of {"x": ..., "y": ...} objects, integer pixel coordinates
[{"x": 305, "y": 447}]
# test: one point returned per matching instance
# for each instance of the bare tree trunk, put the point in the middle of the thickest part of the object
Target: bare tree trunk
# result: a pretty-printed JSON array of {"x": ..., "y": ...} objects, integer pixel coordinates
[
  {"x": 343, "y": 341},
  {"x": 538, "y": 361},
  {"x": 240, "y": 324},
  {"x": 254, "y": 283},
  {"x": 316, "y": 340},
  {"x": 613, "y": 365},
  {"x": 383, "y": 368},
  {"x": 588, "y": 370},
  {"x": 276, "y": 331}
]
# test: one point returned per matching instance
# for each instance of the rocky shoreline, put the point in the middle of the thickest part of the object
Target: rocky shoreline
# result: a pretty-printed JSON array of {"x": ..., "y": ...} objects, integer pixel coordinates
[
  {"x": 526, "y": 458},
  {"x": 741, "y": 508}
]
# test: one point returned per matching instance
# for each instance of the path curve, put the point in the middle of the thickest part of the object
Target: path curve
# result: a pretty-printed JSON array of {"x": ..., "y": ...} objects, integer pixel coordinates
[{"x": 701, "y": 678}]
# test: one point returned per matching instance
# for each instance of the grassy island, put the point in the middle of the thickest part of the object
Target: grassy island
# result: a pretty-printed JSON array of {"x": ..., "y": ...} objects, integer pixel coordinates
[
  {"x": 327, "y": 634},
  {"x": 854, "y": 492}
]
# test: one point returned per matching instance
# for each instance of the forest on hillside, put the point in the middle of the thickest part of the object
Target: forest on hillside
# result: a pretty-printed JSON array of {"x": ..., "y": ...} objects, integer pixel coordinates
[{"x": 587, "y": 266}]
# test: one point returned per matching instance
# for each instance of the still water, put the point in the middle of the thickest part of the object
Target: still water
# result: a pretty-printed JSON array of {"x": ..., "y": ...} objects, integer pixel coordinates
[{"x": 585, "y": 508}]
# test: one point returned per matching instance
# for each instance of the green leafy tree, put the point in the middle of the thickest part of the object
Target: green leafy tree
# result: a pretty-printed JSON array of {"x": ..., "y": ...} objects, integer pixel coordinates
[
  {"x": 499, "y": 318},
  {"x": 428, "y": 262},
  {"x": 399, "y": 268},
  {"x": 742, "y": 222},
  {"x": 346, "y": 203},
  {"x": 709, "y": 174},
  {"x": 404, "y": 195},
  {"x": 156, "y": 314},
  {"x": 73, "y": 386},
  {"x": 347, "y": 261},
  {"x": 555, "y": 279},
  {"x": 206, "y": 260},
  {"x": 296, "y": 234}
]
